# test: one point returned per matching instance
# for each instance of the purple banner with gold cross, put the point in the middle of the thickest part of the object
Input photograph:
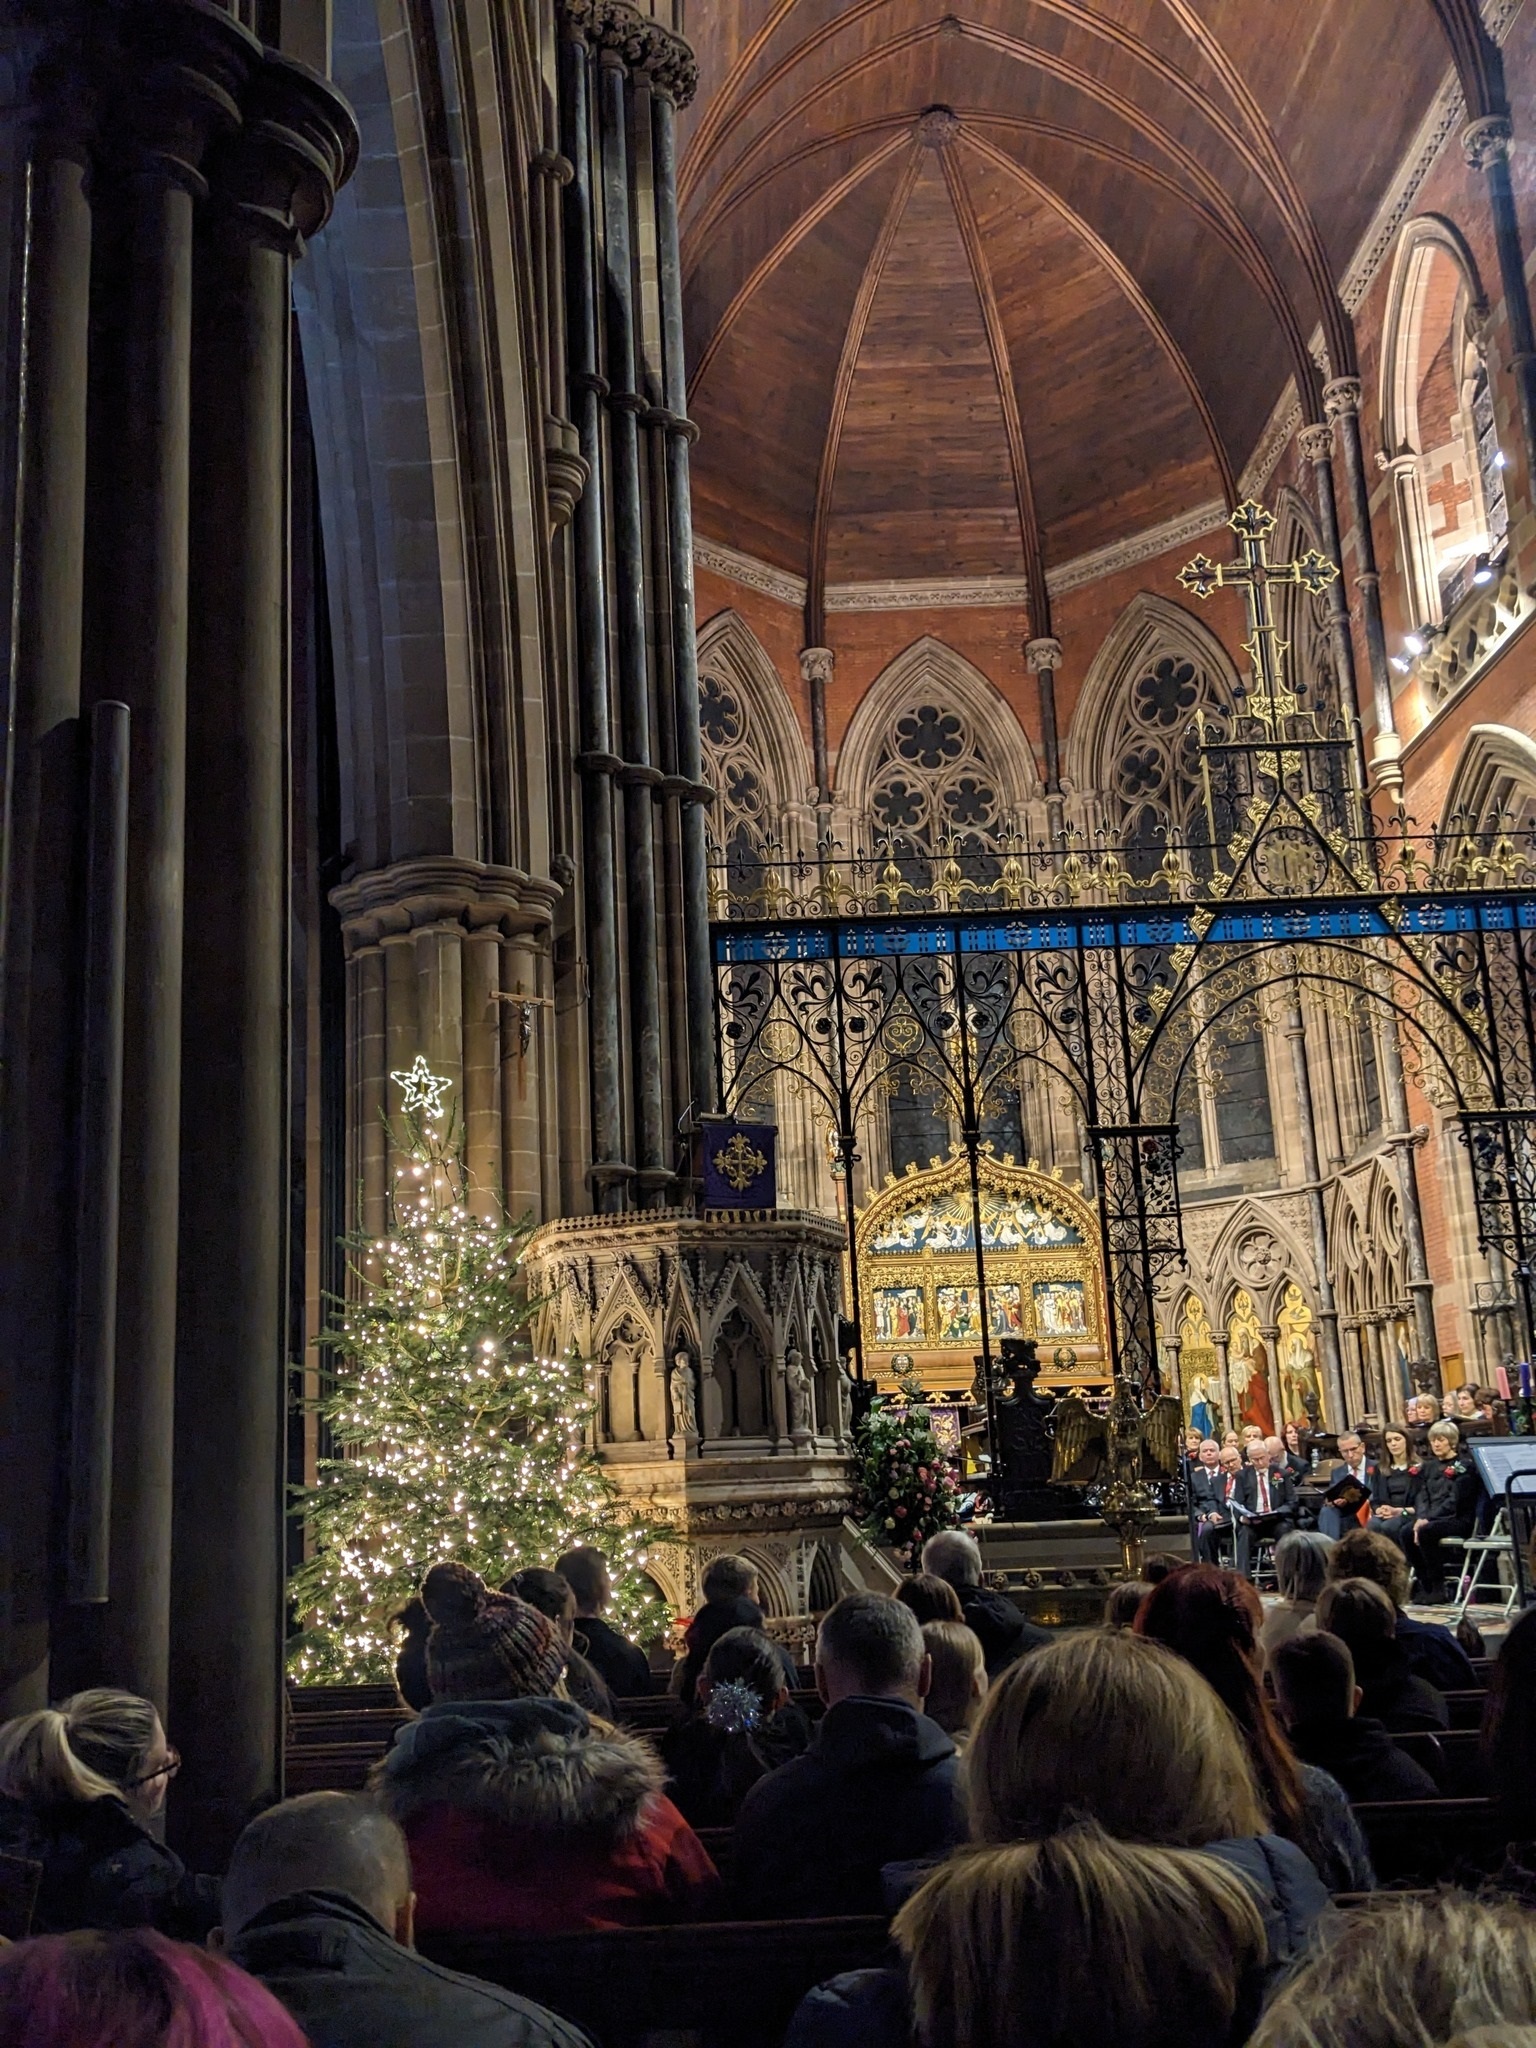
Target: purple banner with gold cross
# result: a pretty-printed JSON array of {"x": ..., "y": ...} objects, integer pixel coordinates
[{"x": 737, "y": 1166}]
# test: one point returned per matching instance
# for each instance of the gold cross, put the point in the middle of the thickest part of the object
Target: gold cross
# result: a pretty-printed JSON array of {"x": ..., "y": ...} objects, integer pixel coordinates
[{"x": 1253, "y": 525}]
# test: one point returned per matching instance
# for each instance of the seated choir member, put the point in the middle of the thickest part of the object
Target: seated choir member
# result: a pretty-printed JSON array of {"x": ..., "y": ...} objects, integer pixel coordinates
[
  {"x": 879, "y": 1783},
  {"x": 82, "y": 1787},
  {"x": 523, "y": 1814},
  {"x": 1394, "y": 1485},
  {"x": 318, "y": 1906},
  {"x": 1214, "y": 1528},
  {"x": 1445, "y": 1505},
  {"x": 1353, "y": 1463},
  {"x": 1319, "y": 1702},
  {"x": 1262, "y": 1491}
]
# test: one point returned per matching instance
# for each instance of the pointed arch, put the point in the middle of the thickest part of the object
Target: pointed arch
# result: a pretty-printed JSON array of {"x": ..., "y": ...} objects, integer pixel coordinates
[
  {"x": 1438, "y": 414},
  {"x": 1493, "y": 785},
  {"x": 1150, "y": 628},
  {"x": 931, "y": 673},
  {"x": 754, "y": 751}
]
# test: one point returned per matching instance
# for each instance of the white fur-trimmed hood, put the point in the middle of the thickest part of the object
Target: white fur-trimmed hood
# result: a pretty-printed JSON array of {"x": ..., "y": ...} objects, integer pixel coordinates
[{"x": 539, "y": 1764}]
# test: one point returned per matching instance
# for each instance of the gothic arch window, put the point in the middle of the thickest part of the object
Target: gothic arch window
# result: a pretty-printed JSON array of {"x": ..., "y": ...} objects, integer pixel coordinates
[
  {"x": 1493, "y": 792},
  {"x": 1302, "y": 615},
  {"x": 1438, "y": 422},
  {"x": 754, "y": 755},
  {"x": 1135, "y": 744},
  {"x": 934, "y": 758}
]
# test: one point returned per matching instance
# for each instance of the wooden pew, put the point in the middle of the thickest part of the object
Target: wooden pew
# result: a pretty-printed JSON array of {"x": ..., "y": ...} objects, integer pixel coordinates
[
  {"x": 1421, "y": 1842},
  {"x": 1466, "y": 1708},
  {"x": 1453, "y": 1758},
  {"x": 735, "y": 1983}
]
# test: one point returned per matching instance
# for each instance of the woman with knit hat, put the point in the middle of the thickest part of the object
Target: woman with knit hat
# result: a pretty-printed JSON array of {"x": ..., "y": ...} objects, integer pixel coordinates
[{"x": 524, "y": 1814}]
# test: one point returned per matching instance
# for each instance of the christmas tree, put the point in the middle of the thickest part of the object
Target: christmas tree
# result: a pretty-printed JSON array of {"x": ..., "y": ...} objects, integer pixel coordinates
[
  {"x": 454, "y": 1438},
  {"x": 906, "y": 1488}
]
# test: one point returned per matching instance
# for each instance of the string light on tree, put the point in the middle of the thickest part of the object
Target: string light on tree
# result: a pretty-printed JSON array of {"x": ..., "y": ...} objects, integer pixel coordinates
[{"x": 454, "y": 1437}]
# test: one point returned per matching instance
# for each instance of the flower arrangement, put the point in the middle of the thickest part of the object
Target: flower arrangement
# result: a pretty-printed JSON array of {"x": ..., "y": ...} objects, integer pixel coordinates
[{"x": 906, "y": 1486}]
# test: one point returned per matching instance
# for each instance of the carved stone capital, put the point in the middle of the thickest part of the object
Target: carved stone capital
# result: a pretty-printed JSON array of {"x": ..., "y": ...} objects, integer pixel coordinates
[
  {"x": 1341, "y": 397},
  {"x": 1486, "y": 141},
  {"x": 1316, "y": 443},
  {"x": 641, "y": 43},
  {"x": 817, "y": 664},
  {"x": 1042, "y": 655},
  {"x": 175, "y": 77},
  {"x": 442, "y": 890},
  {"x": 297, "y": 145}
]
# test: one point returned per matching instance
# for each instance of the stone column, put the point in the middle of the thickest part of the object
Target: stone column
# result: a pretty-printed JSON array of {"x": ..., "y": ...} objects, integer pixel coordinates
[
  {"x": 1407, "y": 480},
  {"x": 1341, "y": 400},
  {"x": 272, "y": 187},
  {"x": 1306, "y": 1121},
  {"x": 1173, "y": 1382},
  {"x": 1270, "y": 1332},
  {"x": 38, "y": 933},
  {"x": 1486, "y": 144},
  {"x": 817, "y": 667},
  {"x": 638, "y": 775},
  {"x": 596, "y": 762},
  {"x": 191, "y": 62},
  {"x": 673, "y": 83},
  {"x": 1044, "y": 658},
  {"x": 1316, "y": 444}
]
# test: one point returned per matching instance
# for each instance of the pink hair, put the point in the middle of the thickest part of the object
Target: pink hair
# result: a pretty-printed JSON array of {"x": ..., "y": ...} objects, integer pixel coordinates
[{"x": 134, "y": 1989}]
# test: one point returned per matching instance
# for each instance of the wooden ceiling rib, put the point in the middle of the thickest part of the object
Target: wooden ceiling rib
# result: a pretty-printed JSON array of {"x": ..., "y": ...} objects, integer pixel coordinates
[
  {"x": 1142, "y": 204},
  {"x": 1002, "y": 370},
  {"x": 853, "y": 339}
]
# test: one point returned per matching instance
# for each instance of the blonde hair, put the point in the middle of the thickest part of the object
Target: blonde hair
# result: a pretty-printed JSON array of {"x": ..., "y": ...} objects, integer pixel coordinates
[
  {"x": 90, "y": 1747},
  {"x": 958, "y": 1662},
  {"x": 1410, "y": 1973},
  {"x": 1046, "y": 1944},
  {"x": 1109, "y": 1726}
]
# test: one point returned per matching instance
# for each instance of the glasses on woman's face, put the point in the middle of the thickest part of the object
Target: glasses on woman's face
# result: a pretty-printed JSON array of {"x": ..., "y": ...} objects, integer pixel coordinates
[{"x": 167, "y": 1770}]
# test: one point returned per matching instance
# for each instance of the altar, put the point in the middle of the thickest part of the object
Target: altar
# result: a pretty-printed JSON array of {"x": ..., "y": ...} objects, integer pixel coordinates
[{"x": 923, "y": 1298}]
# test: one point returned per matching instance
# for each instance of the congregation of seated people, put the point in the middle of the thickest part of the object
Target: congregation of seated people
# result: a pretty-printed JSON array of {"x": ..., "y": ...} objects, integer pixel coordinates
[{"x": 1146, "y": 1830}]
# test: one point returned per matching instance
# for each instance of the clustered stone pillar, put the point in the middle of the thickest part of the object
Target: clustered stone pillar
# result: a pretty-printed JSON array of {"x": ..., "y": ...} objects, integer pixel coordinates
[
  {"x": 1316, "y": 444},
  {"x": 1306, "y": 1121},
  {"x": 622, "y": 78},
  {"x": 818, "y": 665},
  {"x": 156, "y": 630},
  {"x": 1341, "y": 401},
  {"x": 1044, "y": 658}
]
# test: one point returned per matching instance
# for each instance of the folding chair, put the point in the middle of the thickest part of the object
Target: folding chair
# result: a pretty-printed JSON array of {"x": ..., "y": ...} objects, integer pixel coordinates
[{"x": 1481, "y": 1558}]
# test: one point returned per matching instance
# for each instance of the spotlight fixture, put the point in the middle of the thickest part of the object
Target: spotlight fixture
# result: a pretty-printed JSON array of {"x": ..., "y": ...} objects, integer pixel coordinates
[
  {"x": 1482, "y": 570},
  {"x": 1400, "y": 665},
  {"x": 1500, "y": 459},
  {"x": 1415, "y": 643}
]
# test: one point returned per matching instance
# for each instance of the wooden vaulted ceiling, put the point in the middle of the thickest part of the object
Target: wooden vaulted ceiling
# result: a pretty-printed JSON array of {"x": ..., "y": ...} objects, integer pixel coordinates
[{"x": 975, "y": 286}]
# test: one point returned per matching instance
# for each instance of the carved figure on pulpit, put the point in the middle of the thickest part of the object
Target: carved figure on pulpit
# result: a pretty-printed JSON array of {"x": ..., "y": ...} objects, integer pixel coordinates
[
  {"x": 842, "y": 1422},
  {"x": 713, "y": 1402},
  {"x": 797, "y": 1388},
  {"x": 685, "y": 1415}
]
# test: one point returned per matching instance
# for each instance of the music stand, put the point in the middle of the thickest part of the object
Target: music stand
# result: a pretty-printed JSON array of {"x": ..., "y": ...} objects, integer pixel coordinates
[{"x": 1507, "y": 1467}]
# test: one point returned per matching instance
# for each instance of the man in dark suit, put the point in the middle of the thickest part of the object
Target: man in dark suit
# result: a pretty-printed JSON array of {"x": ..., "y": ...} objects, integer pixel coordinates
[
  {"x": 1225, "y": 1487},
  {"x": 1203, "y": 1478},
  {"x": 1262, "y": 1491},
  {"x": 1331, "y": 1520}
]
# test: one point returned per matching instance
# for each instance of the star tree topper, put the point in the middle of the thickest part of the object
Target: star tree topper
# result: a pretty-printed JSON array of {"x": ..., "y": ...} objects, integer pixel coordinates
[{"x": 421, "y": 1089}]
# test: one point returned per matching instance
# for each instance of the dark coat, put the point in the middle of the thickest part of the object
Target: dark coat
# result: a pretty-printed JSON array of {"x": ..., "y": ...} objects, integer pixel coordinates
[
  {"x": 524, "y": 1818},
  {"x": 1003, "y": 1632},
  {"x": 1434, "y": 1655},
  {"x": 1282, "y": 1491},
  {"x": 350, "y": 1985},
  {"x": 711, "y": 1771},
  {"x": 101, "y": 1868},
  {"x": 1207, "y": 1491},
  {"x": 1343, "y": 1858},
  {"x": 1402, "y": 1703},
  {"x": 1449, "y": 1490},
  {"x": 1394, "y": 1486},
  {"x": 715, "y": 1619},
  {"x": 879, "y": 1784},
  {"x": 869, "y": 2008},
  {"x": 622, "y": 1667},
  {"x": 1363, "y": 1758}
]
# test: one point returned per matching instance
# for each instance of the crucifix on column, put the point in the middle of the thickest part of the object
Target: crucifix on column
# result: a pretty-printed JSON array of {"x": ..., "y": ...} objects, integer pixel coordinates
[{"x": 524, "y": 1006}]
